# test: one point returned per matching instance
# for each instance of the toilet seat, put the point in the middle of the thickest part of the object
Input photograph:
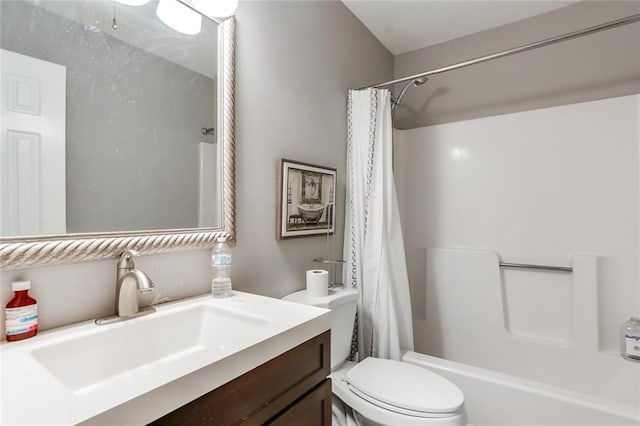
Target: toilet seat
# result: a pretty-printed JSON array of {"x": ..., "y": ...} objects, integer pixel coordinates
[
  {"x": 404, "y": 388},
  {"x": 378, "y": 415}
]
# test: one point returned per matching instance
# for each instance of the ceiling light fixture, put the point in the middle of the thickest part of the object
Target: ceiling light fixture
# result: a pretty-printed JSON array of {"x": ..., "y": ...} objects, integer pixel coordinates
[
  {"x": 133, "y": 2},
  {"x": 179, "y": 17},
  {"x": 215, "y": 8}
]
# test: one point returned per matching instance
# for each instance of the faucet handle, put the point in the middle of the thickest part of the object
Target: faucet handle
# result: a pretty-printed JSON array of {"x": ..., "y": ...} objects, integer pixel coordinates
[{"x": 126, "y": 259}]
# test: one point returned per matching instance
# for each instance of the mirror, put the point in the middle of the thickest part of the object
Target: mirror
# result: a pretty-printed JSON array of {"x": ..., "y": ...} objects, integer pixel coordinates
[{"x": 117, "y": 131}]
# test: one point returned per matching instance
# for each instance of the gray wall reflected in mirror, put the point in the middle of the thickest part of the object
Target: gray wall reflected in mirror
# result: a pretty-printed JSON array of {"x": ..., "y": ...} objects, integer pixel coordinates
[{"x": 136, "y": 100}]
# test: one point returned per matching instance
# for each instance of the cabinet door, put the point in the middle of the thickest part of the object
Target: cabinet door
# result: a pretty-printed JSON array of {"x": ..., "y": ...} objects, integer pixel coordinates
[{"x": 313, "y": 409}]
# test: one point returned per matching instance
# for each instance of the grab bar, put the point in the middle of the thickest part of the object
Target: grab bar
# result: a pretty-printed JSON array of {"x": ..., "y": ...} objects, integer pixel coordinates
[{"x": 544, "y": 267}]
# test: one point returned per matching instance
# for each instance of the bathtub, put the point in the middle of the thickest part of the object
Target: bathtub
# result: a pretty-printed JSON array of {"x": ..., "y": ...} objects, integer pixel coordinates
[
  {"x": 493, "y": 398},
  {"x": 311, "y": 213}
]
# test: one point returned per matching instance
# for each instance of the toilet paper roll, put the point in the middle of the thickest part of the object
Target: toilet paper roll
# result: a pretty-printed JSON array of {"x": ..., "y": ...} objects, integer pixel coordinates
[{"x": 317, "y": 283}]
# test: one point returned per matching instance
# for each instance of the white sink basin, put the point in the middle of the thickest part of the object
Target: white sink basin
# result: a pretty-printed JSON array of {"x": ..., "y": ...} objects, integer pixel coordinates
[
  {"x": 147, "y": 342},
  {"x": 134, "y": 371}
]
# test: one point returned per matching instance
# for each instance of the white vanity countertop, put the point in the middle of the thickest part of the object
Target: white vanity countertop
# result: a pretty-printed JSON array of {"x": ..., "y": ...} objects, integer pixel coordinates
[{"x": 145, "y": 377}]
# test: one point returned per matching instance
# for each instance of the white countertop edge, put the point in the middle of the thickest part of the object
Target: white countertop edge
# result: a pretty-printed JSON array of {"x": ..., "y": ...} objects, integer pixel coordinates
[{"x": 158, "y": 402}]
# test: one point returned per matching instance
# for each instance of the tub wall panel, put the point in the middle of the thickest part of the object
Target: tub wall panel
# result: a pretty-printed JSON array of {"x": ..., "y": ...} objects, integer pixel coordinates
[{"x": 556, "y": 186}]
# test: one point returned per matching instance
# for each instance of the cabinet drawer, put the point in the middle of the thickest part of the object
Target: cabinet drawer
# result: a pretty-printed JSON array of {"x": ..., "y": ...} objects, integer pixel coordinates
[
  {"x": 313, "y": 409},
  {"x": 261, "y": 393}
]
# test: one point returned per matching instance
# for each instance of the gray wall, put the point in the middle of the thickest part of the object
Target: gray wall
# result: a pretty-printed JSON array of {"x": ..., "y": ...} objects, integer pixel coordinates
[
  {"x": 295, "y": 62},
  {"x": 597, "y": 66},
  {"x": 132, "y": 138}
]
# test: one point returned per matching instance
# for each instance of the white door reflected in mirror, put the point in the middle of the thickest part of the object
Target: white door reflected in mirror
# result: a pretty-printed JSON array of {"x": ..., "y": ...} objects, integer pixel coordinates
[{"x": 32, "y": 154}]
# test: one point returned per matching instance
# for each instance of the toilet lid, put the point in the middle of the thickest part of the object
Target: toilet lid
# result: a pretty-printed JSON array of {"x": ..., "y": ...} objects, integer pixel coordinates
[{"x": 404, "y": 388}]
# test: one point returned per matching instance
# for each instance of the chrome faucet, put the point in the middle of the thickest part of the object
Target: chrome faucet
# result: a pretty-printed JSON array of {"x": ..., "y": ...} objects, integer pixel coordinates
[{"x": 129, "y": 281}]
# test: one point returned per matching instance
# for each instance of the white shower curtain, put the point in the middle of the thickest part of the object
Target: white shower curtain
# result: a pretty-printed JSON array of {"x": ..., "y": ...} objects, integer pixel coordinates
[{"x": 373, "y": 245}]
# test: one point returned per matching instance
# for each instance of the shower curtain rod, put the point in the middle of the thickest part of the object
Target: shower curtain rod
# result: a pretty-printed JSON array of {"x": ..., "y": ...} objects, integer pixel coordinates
[{"x": 602, "y": 27}]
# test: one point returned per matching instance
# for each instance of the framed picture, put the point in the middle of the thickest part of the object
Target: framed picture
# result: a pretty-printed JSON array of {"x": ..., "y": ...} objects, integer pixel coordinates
[{"x": 306, "y": 199}]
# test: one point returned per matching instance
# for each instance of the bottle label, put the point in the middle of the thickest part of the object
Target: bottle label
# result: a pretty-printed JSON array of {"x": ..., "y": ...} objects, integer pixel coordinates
[
  {"x": 220, "y": 260},
  {"x": 21, "y": 320},
  {"x": 633, "y": 344}
]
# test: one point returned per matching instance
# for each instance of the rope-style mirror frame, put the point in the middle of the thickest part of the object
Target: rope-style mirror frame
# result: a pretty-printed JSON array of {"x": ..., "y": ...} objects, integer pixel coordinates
[{"x": 21, "y": 252}]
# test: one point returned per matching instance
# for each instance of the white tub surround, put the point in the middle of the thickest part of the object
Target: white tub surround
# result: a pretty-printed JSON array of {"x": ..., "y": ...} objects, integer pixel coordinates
[
  {"x": 555, "y": 186},
  {"x": 101, "y": 375}
]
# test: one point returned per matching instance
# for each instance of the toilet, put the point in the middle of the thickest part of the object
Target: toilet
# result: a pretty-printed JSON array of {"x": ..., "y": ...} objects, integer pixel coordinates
[{"x": 381, "y": 391}]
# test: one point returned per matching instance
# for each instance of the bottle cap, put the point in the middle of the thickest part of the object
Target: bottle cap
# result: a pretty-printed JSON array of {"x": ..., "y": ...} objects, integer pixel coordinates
[
  {"x": 20, "y": 285},
  {"x": 222, "y": 239}
]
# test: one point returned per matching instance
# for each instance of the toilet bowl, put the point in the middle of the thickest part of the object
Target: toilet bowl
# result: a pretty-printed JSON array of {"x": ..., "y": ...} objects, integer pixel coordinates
[{"x": 380, "y": 391}]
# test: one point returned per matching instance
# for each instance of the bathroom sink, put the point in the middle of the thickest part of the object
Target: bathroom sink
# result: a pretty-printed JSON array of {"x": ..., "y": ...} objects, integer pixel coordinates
[
  {"x": 137, "y": 370},
  {"x": 159, "y": 338}
]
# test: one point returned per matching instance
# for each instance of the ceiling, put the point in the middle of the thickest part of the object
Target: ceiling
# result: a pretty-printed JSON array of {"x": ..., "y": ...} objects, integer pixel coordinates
[{"x": 403, "y": 26}]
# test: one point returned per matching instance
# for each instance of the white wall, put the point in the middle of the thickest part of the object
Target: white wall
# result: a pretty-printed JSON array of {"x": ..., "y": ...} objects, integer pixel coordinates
[
  {"x": 536, "y": 187},
  {"x": 295, "y": 62}
]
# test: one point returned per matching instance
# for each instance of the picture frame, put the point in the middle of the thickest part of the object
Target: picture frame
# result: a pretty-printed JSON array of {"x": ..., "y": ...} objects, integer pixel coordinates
[{"x": 305, "y": 199}]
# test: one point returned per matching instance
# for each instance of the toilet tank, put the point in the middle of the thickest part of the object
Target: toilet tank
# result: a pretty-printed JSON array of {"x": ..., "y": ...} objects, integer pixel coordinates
[{"x": 343, "y": 313}]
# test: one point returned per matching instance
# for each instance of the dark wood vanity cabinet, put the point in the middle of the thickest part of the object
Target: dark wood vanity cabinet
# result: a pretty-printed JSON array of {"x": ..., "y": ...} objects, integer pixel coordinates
[
  {"x": 291, "y": 389},
  {"x": 313, "y": 409}
]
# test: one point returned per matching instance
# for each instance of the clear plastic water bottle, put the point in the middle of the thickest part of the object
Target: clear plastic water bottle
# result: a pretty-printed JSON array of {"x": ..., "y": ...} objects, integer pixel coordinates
[{"x": 221, "y": 265}]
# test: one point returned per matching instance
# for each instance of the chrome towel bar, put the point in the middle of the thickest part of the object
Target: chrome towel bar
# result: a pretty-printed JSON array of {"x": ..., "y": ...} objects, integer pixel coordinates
[{"x": 543, "y": 267}]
